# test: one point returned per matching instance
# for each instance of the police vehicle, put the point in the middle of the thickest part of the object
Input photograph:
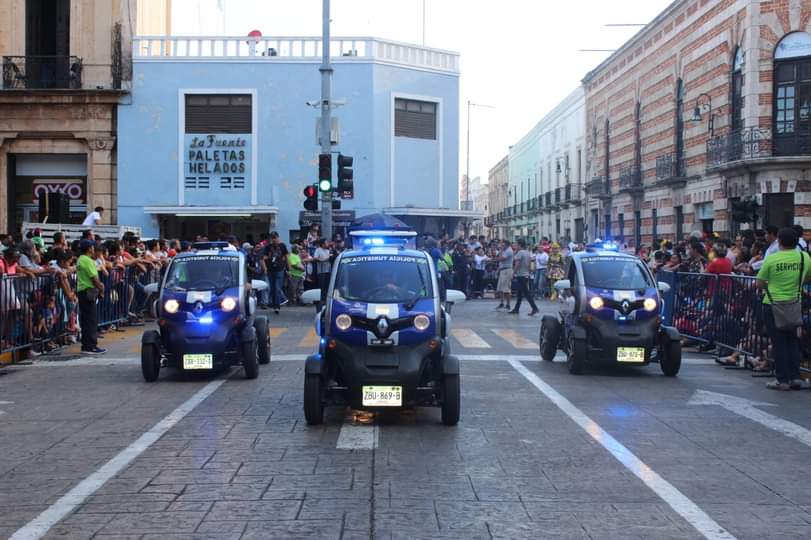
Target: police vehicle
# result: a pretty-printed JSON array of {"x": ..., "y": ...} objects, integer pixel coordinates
[
  {"x": 610, "y": 313},
  {"x": 384, "y": 332},
  {"x": 206, "y": 312}
]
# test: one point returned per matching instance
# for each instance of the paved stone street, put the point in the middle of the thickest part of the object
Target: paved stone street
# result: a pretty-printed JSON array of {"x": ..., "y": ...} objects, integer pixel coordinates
[{"x": 243, "y": 464}]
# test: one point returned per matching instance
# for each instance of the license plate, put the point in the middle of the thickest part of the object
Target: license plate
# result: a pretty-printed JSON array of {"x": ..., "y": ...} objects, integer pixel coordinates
[
  {"x": 631, "y": 355},
  {"x": 198, "y": 361},
  {"x": 382, "y": 396}
]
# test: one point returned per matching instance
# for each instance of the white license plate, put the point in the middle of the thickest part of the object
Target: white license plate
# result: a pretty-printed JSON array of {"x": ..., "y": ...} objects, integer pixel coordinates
[
  {"x": 382, "y": 396},
  {"x": 631, "y": 355},
  {"x": 198, "y": 361}
]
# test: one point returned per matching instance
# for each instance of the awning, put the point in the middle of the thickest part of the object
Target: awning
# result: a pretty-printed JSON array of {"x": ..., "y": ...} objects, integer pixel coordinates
[
  {"x": 211, "y": 211},
  {"x": 434, "y": 212}
]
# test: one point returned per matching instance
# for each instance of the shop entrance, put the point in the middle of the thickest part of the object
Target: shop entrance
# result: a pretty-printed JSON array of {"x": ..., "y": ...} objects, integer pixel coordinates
[
  {"x": 778, "y": 209},
  {"x": 245, "y": 228}
]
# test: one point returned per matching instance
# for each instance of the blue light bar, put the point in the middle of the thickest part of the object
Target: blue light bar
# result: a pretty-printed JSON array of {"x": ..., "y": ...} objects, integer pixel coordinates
[
  {"x": 610, "y": 246},
  {"x": 206, "y": 319},
  {"x": 373, "y": 242}
]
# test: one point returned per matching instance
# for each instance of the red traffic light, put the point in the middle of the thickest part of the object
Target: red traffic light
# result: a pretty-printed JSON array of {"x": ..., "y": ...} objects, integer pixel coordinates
[{"x": 310, "y": 192}]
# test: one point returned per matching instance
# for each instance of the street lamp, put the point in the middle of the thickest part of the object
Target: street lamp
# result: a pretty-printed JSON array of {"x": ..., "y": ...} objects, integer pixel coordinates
[
  {"x": 706, "y": 106},
  {"x": 467, "y": 166}
]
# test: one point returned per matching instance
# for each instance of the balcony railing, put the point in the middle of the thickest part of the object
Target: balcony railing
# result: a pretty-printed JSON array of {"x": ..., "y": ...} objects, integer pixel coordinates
[
  {"x": 739, "y": 145},
  {"x": 548, "y": 199},
  {"x": 598, "y": 187},
  {"x": 630, "y": 179},
  {"x": 42, "y": 72},
  {"x": 539, "y": 202},
  {"x": 558, "y": 195},
  {"x": 523, "y": 208},
  {"x": 670, "y": 167}
]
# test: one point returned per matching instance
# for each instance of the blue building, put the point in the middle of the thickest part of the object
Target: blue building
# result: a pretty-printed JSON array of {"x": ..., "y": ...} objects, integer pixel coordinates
[{"x": 218, "y": 138}]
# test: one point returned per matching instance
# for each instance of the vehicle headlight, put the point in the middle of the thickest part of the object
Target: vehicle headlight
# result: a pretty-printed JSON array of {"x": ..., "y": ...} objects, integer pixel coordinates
[
  {"x": 596, "y": 302},
  {"x": 228, "y": 303},
  {"x": 343, "y": 322},
  {"x": 171, "y": 306},
  {"x": 650, "y": 304},
  {"x": 422, "y": 322}
]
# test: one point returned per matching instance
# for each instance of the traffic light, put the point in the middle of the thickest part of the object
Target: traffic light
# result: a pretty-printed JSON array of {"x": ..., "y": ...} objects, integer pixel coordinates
[
  {"x": 324, "y": 173},
  {"x": 311, "y": 198},
  {"x": 346, "y": 186}
]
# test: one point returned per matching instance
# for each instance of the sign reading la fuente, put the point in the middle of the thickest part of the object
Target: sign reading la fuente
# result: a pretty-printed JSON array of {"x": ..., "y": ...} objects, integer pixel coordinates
[{"x": 216, "y": 155}]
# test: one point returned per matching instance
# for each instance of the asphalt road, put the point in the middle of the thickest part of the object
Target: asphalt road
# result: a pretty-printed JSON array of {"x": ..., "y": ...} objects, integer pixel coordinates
[{"x": 88, "y": 450}]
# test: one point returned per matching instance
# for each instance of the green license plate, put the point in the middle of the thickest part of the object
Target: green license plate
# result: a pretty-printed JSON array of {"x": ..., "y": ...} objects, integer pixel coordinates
[
  {"x": 631, "y": 355},
  {"x": 198, "y": 361},
  {"x": 382, "y": 396}
]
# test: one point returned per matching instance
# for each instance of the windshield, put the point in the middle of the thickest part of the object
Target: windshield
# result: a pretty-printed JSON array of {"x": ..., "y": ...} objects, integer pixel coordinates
[
  {"x": 383, "y": 279},
  {"x": 615, "y": 273},
  {"x": 203, "y": 272}
]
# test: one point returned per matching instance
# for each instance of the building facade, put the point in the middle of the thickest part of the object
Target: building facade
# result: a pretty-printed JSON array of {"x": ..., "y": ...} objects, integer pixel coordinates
[
  {"x": 545, "y": 188},
  {"x": 706, "y": 108},
  {"x": 498, "y": 185},
  {"x": 219, "y": 139},
  {"x": 66, "y": 66}
]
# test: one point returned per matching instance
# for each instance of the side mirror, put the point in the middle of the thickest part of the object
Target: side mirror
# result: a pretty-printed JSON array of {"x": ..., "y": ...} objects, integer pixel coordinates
[
  {"x": 562, "y": 284},
  {"x": 311, "y": 296},
  {"x": 453, "y": 296},
  {"x": 151, "y": 288},
  {"x": 664, "y": 288},
  {"x": 259, "y": 285}
]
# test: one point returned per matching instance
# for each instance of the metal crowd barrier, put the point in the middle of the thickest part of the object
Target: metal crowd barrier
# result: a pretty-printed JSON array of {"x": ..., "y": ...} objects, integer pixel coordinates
[
  {"x": 726, "y": 311},
  {"x": 40, "y": 312}
]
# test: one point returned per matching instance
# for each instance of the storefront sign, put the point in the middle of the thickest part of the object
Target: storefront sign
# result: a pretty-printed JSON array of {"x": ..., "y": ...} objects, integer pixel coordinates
[
  {"x": 217, "y": 161},
  {"x": 73, "y": 189},
  {"x": 340, "y": 218}
]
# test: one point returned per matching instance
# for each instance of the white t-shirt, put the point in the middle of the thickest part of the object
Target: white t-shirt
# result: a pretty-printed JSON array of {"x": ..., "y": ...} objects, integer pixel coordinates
[
  {"x": 541, "y": 260},
  {"x": 479, "y": 261},
  {"x": 93, "y": 218},
  {"x": 774, "y": 248}
]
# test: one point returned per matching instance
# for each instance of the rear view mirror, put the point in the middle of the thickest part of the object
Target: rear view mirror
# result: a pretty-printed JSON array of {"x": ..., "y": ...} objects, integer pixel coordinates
[
  {"x": 664, "y": 288},
  {"x": 453, "y": 296},
  {"x": 151, "y": 288},
  {"x": 562, "y": 285},
  {"x": 259, "y": 285},
  {"x": 311, "y": 296}
]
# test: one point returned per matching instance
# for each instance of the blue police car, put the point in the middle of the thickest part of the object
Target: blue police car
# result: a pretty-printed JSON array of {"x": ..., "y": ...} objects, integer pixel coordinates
[
  {"x": 610, "y": 313},
  {"x": 206, "y": 312},
  {"x": 384, "y": 332}
]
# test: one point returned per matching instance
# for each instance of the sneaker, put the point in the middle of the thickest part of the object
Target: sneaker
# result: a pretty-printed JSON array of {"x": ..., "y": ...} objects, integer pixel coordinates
[
  {"x": 513, "y": 312},
  {"x": 533, "y": 312},
  {"x": 777, "y": 385},
  {"x": 276, "y": 311},
  {"x": 285, "y": 302},
  {"x": 797, "y": 384},
  {"x": 500, "y": 306},
  {"x": 94, "y": 350}
]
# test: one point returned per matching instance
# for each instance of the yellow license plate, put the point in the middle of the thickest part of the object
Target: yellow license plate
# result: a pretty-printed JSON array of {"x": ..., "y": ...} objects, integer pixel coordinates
[
  {"x": 198, "y": 361},
  {"x": 631, "y": 355},
  {"x": 382, "y": 396}
]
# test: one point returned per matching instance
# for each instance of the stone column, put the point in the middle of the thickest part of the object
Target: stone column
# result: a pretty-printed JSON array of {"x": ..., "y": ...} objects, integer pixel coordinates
[
  {"x": 101, "y": 181},
  {"x": 3, "y": 187}
]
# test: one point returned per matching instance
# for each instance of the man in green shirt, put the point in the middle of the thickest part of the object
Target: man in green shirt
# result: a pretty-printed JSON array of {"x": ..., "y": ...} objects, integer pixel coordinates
[
  {"x": 295, "y": 271},
  {"x": 88, "y": 288},
  {"x": 782, "y": 275}
]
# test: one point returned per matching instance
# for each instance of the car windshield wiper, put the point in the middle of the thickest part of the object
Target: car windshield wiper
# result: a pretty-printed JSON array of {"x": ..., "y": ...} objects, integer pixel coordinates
[{"x": 411, "y": 303}]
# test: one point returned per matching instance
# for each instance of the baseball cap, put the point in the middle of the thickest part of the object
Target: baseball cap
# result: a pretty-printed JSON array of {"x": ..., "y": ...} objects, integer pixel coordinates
[{"x": 84, "y": 245}]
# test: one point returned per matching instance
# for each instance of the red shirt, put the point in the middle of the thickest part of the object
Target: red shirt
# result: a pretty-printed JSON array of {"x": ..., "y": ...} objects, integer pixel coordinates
[{"x": 720, "y": 265}]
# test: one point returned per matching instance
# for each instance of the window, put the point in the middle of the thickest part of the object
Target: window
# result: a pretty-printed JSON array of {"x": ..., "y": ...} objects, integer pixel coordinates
[
  {"x": 638, "y": 137},
  {"x": 607, "y": 153},
  {"x": 654, "y": 225},
  {"x": 737, "y": 90},
  {"x": 218, "y": 113},
  {"x": 792, "y": 92},
  {"x": 679, "y": 222},
  {"x": 621, "y": 224},
  {"x": 614, "y": 273},
  {"x": 679, "y": 123},
  {"x": 385, "y": 281},
  {"x": 637, "y": 229},
  {"x": 579, "y": 165},
  {"x": 608, "y": 226},
  {"x": 414, "y": 119}
]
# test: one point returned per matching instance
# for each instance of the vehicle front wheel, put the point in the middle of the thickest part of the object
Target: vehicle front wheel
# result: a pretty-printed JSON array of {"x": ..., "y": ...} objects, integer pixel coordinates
[
  {"x": 549, "y": 337},
  {"x": 576, "y": 356},
  {"x": 249, "y": 359},
  {"x": 313, "y": 399},
  {"x": 150, "y": 362},
  {"x": 451, "y": 399},
  {"x": 671, "y": 358},
  {"x": 263, "y": 339}
]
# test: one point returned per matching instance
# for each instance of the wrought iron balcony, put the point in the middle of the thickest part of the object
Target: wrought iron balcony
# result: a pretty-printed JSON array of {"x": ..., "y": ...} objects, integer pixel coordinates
[
  {"x": 42, "y": 72},
  {"x": 548, "y": 199},
  {"x": 670, "y": 169},
  {"x": 631, "y": 179},
  {"x": 539, "y": 202},
  {"x": 571, "y": 194},
  {"x": 599, "y": 187},
  {"x": 523, "y": 208},
  {"x": 558, "y": 196},
  {"x": 741, "y": 145}
]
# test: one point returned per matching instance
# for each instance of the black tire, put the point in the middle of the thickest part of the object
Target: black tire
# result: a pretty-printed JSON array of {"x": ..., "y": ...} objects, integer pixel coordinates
[
  {"x": 150, "y": 362},
  {"x": 670, "y": 362},
  {"x": 313, "y": 399},
  {"x": 250, "y": 359},
  {"x": 549, "y": 337},
  {"x": 262, "y": 339},
  {"x": 451, "y": 399},
  {"x": 576, "y": 356}
]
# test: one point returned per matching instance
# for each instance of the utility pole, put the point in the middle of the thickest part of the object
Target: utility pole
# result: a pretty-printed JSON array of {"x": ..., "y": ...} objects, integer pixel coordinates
[{"x": 326, "y": 120}]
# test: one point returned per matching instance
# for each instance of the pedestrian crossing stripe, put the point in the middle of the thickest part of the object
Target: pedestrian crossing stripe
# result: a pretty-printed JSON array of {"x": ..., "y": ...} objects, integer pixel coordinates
[
  {"x": 310, "y": 340},
  {"x": 513, "y": 338},
  {"x": 276, "y": 332},
  {"x": 469, "y": 339}
]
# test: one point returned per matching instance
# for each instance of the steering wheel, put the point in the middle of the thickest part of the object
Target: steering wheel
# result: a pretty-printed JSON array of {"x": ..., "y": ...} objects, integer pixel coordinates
[
  {"x": 205, "y": 284},
  {"x": 380, "y": 291}
]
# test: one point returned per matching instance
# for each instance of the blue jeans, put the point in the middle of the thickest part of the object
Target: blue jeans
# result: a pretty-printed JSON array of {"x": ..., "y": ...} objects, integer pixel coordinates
[
  {"x": 276, "y": 284},
  {"x": 540, "y": 282}
]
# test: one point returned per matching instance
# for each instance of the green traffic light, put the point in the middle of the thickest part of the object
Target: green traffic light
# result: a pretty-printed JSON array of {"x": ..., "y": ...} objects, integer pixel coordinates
[{"x": 325, "y": 185}]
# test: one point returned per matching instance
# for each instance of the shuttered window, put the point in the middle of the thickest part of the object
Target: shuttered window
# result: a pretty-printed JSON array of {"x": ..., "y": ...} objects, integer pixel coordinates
[
  {"x": 415, "y": 119},
  {"x": 218, "y": 113}
]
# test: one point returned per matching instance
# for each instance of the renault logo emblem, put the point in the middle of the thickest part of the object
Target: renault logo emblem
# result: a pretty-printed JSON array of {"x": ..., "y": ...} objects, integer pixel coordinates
[
  {"x": 382, "y": 325},
  {"x": 626, "y": 306},
  {"x": 198, "y": 308}
]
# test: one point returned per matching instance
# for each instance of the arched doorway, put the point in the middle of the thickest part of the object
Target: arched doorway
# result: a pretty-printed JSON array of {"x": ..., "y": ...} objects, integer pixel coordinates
[{"x": 792, "y": 95}]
